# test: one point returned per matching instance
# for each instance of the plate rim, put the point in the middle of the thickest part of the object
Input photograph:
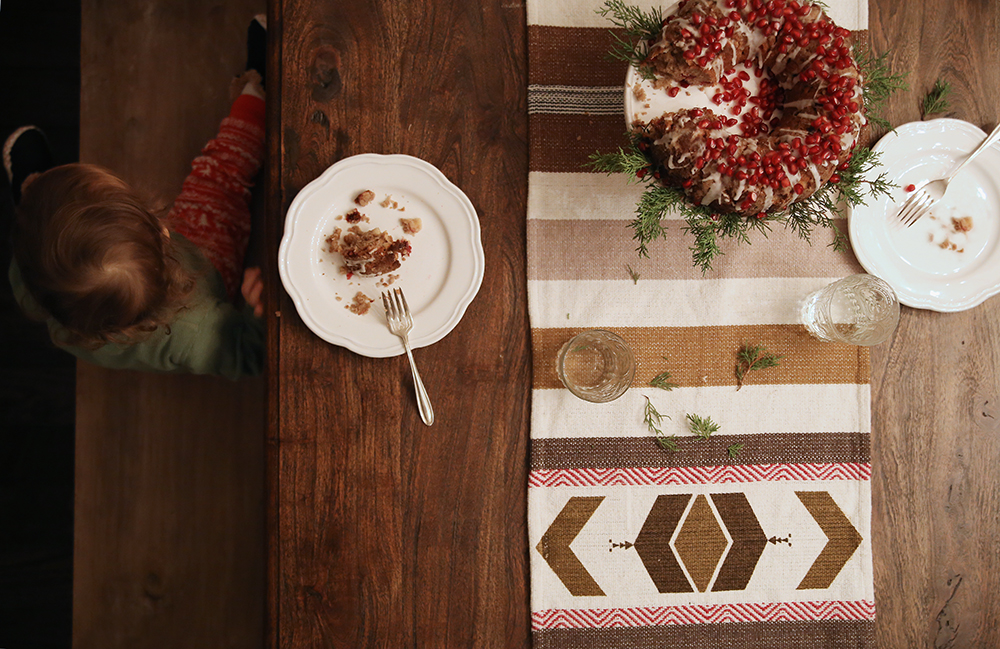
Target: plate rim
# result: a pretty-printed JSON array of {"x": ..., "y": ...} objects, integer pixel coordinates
[
  {"x": 930, "y": 303},
  {"x": 475, "y": 241}
]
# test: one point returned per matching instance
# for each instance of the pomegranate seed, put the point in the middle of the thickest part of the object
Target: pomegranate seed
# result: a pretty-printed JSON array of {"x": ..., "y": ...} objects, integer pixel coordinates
[{"x": 911, "y": 187}]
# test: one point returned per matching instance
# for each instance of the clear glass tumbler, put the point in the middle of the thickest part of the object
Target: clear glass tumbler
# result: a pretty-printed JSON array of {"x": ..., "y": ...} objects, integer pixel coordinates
[
  {"x": 596, "y": 365},
  {"x": 859, "y": 310}
]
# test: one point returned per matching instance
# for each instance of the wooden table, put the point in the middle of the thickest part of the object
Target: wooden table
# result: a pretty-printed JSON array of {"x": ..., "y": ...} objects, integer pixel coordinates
[{"x": 385, "y": 533}]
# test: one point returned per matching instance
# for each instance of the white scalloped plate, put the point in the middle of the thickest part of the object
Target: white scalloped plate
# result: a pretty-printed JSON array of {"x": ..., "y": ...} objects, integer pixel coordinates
[
  {"x": 923, "y": 274},
  {"x": 440, "y": 277}
]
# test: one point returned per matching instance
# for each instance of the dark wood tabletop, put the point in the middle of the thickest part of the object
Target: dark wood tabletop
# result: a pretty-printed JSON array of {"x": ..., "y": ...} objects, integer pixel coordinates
[{"x": 383, "y": 532}]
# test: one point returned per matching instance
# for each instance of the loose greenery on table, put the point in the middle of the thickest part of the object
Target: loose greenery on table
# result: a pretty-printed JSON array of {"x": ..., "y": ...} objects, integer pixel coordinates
[
  {"x": 734, "y": 450},
  {"x": 936, "y": 101},
  {"x": 702, "y": 427},
  {"x": 653, "y": 420},
  {"x": 706, "y": 226},
  {"x": 753, "y": 357},
  {"x": 662, "y": 380},
  {"x": 632, "y": 274}
]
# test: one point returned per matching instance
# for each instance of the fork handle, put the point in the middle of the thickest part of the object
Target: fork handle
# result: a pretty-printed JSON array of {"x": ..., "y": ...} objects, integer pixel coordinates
[
  {"x": 988, "y": 142},
  {"x": 423, "y": 401}
]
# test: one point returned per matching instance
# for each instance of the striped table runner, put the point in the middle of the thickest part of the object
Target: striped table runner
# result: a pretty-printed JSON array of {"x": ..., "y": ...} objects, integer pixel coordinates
[{"x": 634, "y": 546}]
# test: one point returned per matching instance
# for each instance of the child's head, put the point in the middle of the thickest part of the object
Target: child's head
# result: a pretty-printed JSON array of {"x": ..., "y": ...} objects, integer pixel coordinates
[{"x": 95, "y": 257}]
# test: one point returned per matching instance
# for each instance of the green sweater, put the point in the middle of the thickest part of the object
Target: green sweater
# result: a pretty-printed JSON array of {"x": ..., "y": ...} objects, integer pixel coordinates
[{"x": 209, "y": 336}]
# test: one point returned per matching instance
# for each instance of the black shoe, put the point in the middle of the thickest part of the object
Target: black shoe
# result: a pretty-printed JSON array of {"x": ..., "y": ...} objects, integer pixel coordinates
[
  {"x": 25, "y": 152},
  {"x": 257, "y": 46}
]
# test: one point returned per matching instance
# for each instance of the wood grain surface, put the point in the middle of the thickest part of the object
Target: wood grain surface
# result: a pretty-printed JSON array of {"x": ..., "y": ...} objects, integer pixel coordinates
[
  {"x": 384, "y": 533},
  {"x": 935, "y": 401},
  {"x": 169, "y": 547}
]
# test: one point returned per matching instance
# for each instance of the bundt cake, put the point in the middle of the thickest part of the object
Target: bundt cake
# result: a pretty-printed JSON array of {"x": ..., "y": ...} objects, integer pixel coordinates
[{"x": 785, "y": 101}]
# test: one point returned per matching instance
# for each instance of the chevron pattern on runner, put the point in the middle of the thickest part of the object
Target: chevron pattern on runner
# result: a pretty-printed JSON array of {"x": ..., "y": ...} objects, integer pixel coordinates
[
  {"x": 698, "y": 542},
  {"x": 704, "y": 614},
  {"x": 698, "y": 475}
]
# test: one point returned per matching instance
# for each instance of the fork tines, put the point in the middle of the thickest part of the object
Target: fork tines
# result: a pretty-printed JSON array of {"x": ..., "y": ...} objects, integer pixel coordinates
[
  {"x": 915, "y": 207},
  {"x": 395, "y": 305}
]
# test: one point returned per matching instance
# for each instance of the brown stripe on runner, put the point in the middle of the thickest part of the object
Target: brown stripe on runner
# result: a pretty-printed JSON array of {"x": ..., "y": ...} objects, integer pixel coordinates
[
  {"x": 572, "y": 56},
  {"x": 758, "y": 448},
  {"x": 565, "y": 142},
  {"x": 759, "y": 635},
  {"x": 706, "y": 356},
  {"x": 564, "y": 258}
]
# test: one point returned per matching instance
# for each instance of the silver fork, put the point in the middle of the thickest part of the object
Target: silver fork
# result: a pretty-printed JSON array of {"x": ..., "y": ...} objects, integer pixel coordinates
[
  {"x": 397, "y": 315},
  {"x": 927, "y": 195}
]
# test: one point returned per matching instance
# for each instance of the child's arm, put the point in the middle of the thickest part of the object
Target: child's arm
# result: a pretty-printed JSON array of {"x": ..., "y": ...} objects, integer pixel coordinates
[{"x": 213, "y": 209}]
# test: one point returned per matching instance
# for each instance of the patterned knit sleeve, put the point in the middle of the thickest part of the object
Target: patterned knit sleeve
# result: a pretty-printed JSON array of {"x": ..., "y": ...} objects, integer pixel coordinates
[{"x": 213, "y": 208}]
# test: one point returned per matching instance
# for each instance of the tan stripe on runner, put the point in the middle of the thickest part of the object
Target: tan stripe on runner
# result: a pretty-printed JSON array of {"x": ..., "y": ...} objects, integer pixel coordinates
[
  {"x": 763, "y": 448},
  {"x": 700, "y": 356},
  {"x": 572, "y": 56},
  {"x": 781, "y": 254}
]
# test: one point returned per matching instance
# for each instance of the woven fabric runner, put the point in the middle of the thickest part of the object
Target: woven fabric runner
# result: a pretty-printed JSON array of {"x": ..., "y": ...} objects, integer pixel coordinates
[{"x": 634, "y": 546}]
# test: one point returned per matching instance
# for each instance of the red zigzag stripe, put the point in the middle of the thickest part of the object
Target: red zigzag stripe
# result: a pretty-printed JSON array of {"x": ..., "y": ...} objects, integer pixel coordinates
[
  {"x": 698, "y": 475},
  {"x": 703, "y": 614}
]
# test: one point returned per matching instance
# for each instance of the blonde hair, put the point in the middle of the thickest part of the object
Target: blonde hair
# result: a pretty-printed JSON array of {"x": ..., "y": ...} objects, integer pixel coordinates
[{"x": 96, "y": 257}]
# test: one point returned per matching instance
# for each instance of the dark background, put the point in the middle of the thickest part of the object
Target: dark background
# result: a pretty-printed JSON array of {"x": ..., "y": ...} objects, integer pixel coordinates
[{"x": 39, "y": 84}]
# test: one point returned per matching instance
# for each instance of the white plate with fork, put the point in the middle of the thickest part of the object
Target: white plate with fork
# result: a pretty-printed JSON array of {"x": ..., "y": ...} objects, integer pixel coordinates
[
  {"x": 440, "y": 277},
  {"x": 949, "y": 260}
]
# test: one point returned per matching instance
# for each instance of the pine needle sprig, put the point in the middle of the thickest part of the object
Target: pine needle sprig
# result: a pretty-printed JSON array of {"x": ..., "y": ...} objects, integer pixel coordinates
[
  {"x": 702, "y": 427},
  {"x": 653, "y": 207},
  {"x": 637, "y": 27},
  {"x": 936, "y": 100},
  {"x": 653, "y": 421},
  {"x": 634, "y": 276},
  {"x": 857, "y": 180},
  {"x": 734, "y": 450},
  {"x": 662, "y": 381},
  {"x": 652, "y": 418},
  {"x": 708, "y": 229},
  {"x": 878, "y": 81},
  {"x": 631, "y": 162},
  {"x": 668, "y": 442},
  {"x": 750, "y": 358}
]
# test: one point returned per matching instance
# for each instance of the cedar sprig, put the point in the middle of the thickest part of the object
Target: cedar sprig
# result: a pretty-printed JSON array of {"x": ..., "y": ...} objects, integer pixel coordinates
[
  {"x": 634, "y": 276},
  {"x": 878, "y": 82},
  {"x": 629, "y": 161},
  {"x": 936, "y": 100},
  {"x": 856, "y": 185},
  {"x": 703, "y": 427},
  {"x": 734, "y": 450},
  {"x": 638, "y": 27},
  {"x": 653, "y": 420},
  {"x": 750, "y": 358},
  {"x": 662, "y": 380}
]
